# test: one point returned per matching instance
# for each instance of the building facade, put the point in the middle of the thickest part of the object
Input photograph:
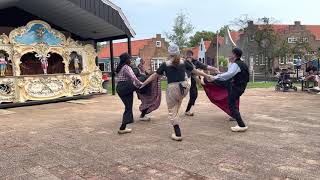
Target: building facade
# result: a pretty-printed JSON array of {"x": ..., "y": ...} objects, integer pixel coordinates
[
  {"x": 296, "y": 40},
  {"x": 299, "y": 41},
  {"x": 200, "y": 52},
  {"x": 153, "y": 51}
]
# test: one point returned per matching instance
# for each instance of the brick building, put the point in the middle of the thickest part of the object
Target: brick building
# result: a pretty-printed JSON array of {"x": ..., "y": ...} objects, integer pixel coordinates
[
  {"x": 289, "y": 35},
  {"x": 153, "y": 51},
  {"x": 303, "y": 41}
]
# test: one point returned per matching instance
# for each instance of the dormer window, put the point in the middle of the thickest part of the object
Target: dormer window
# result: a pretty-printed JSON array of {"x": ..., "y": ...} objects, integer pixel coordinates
[{"x": 158, "y": 43}]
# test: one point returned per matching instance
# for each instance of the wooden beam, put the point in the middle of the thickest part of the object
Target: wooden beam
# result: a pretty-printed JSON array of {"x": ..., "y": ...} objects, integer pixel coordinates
[
  {"x": 112, "y": 68},
  {"x": 129, "y": 46},
  {"x": 112, "y": 38}
]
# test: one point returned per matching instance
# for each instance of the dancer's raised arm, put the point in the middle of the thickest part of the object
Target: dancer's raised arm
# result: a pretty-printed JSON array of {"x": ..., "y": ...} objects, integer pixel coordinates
[
  {"x": 149, "y": 80},
  {"x": 200, "y": 73}
]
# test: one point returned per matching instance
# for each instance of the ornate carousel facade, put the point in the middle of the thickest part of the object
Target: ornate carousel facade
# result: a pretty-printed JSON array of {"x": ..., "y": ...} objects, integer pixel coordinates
[
  {"x": 39, "y": 63},
  {"x": 48, "y": 49}
]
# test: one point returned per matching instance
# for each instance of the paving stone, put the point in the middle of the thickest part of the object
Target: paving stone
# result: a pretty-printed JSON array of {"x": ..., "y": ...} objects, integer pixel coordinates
[
  {"x": 11, "y": 171},
  {"x": 38, "y": 171},
  {"x": 20, "y": 177},
  {"x": 71, "y": 141}
]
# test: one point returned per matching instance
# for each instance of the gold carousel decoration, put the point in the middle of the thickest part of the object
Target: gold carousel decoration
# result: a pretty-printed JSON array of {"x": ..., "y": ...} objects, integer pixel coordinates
[{"x": 40, "y": 63}]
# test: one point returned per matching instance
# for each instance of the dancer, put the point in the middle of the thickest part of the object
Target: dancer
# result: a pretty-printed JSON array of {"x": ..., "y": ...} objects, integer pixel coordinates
[
  {"x": 150, "y": 95},
  {"x": 193, "y": 89},
  {"x": 235, "y": 81},
  {"x": 175, "y": 70},
  {"x": 151, "y": 100},
  {"x": 127, "y": 84}
]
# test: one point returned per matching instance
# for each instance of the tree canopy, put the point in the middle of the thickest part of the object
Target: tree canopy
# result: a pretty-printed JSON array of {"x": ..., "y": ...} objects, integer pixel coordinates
[
  {"x": 181, "y": 30},
  {"x": 196, "y": 38}
]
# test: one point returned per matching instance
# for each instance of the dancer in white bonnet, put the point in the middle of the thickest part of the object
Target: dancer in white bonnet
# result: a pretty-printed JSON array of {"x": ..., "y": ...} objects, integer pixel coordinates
[{"x": 178, "y": 85}]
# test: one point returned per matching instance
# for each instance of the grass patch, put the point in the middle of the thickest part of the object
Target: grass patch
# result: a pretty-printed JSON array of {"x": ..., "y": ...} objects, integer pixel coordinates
[
  {"x": 250, "y": 85},
  {"x": 261, "y": 85}
]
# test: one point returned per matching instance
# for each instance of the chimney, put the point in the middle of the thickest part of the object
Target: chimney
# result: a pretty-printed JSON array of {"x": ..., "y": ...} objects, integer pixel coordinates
[
  {"x": 158, "y": 36},
  {"x": 297, "y": 23},
  {"x": 250, "y": 23}
]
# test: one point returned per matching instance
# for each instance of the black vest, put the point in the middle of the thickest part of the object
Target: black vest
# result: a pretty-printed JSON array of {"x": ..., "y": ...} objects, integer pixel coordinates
[{"x": 241, "y": 79}]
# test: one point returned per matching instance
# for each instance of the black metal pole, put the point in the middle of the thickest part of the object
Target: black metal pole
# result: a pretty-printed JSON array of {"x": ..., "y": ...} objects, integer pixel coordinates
[
  {"x": 96, "y": 47},
  {"x": 297, "y": 69},
  {"x": 129, "y": 46},
  {"x": 112, "y": 69},
  {"x": 318, "y": 64}
]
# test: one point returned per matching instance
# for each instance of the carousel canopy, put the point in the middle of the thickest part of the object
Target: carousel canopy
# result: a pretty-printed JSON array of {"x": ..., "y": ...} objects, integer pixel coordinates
[{"x": 85, "y": 19}]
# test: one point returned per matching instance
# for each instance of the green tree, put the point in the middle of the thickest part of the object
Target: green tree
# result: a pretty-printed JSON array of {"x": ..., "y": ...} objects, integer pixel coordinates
[
  {"x": 196, "y": 38},
  {"x": 223, "y": 61},
  {"x": 222, "y": 31},
  {"x": 181, "y": 30}
]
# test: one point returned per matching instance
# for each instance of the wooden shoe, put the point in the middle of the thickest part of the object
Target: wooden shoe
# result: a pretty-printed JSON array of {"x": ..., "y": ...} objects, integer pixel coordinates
[
  {"x": 145, "y": 118},
  {"x": 189, "y": 113},
  {"x": 176, "y": 138},
  {"x": 238, "y": 129},
  {"x": 125, "y": 131}
]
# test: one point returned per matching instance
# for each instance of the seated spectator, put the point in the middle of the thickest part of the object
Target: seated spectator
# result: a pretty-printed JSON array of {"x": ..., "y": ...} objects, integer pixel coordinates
[{"x": 312, "y": 75}]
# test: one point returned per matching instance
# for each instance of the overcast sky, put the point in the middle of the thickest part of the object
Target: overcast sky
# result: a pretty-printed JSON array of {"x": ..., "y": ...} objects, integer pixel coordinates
[{"x": 148, "y": 17}]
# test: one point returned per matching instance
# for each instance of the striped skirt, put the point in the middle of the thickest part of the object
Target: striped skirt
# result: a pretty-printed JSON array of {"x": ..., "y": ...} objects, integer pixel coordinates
[{"x": 151, "y": 101}]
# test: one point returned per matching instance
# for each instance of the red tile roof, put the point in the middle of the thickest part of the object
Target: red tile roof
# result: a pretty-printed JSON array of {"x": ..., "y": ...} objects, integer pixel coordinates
[
  {"x": 195, "y": 50},
  {"x": 119, "y": 48},
  {"x": 314, "y": 29},
  {"x": 280, "y": 27},
  {"x": 220, "y": 40}
]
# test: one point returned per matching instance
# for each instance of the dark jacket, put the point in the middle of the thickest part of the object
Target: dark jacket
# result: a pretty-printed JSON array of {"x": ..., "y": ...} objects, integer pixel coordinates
[{"x": 241, "y": 79}]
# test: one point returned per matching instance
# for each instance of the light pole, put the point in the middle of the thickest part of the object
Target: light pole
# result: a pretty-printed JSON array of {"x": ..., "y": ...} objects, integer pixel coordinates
[{"x": 265, "y": 43}]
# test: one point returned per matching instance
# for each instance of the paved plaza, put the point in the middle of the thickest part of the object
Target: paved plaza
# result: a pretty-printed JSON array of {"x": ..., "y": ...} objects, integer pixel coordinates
[{"x": 80, "y": 141}]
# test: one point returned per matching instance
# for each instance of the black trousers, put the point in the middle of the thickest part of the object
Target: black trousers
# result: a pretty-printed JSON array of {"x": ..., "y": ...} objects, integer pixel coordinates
[
  {"x": 125, "y": 91},
  {"x": 193, "y": 94},
  {"x": 234, "y": 94}
]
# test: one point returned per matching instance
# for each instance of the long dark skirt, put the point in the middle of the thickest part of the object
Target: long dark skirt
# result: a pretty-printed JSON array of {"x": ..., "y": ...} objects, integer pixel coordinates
[
  {"x": 150, "y": 97},
  {"x": 217, "y": 92}
]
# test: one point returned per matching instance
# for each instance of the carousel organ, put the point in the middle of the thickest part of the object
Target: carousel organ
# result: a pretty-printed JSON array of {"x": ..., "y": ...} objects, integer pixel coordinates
[{"x": 40, "y": 63}]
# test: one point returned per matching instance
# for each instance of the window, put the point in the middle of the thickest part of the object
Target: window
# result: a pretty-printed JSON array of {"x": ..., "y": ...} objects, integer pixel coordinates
[
  {"x": 257, "y": 60},
  {"x": 202, "y": 60},
  {"x": 251, "y": 38},
  {"x": 116, "y": 65},
  {"x": 262, "y": 60},
  {"x": 108, "y": 67},
  {"x": 101, "y": 67},
  {"x": 251, "y": 62},
  {"x": 292, "y": 40},
  {"x": 158, "y": 43},
  {"x": 155, "y": 63},
  {"x": 305, "y": 39}
]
